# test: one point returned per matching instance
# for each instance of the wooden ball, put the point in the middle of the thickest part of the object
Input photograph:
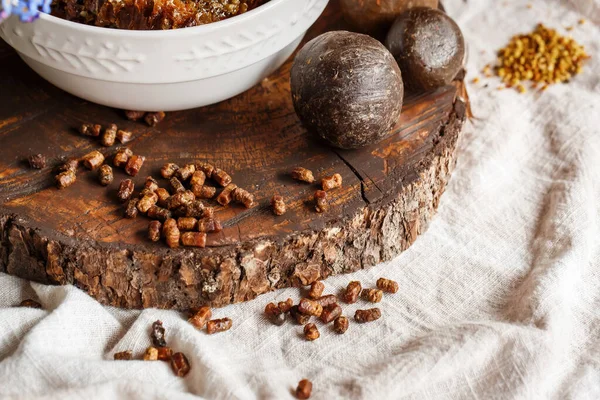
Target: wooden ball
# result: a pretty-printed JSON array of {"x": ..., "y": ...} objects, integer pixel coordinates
[
  {"x": 348, "y": 88},
  {"x": 429, "y": 47},
  {"x": 375, "y": 17}
]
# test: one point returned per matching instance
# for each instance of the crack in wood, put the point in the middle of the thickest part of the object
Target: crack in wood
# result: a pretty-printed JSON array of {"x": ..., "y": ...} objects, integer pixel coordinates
[
  {"x": 357, "y": 174},
  {"x": 240, "y": 216}
]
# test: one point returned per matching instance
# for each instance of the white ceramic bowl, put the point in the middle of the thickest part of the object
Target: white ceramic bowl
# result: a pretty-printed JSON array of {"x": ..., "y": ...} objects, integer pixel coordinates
[{"x": 163, "y": 70}]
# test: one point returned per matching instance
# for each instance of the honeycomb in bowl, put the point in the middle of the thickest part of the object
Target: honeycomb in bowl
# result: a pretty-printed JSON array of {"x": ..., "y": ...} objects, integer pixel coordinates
[{"x": 150, "y": 14}]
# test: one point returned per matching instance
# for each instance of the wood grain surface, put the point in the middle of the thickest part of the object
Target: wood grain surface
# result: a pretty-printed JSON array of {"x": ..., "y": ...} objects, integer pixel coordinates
[{"x": 79, "y": 235}]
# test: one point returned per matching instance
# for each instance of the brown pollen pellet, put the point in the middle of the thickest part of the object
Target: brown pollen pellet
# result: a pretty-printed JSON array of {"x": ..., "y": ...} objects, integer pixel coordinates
[
  {"x": 205, "y": 167},
  {"x": 301, "y": 319},
  {"x": 158, "y": 334},
  {"x": 225, "y": 196},
  {"x": 131, "y": 211},
  {"x": 278, "y": 205},
  {"x": 221, "y": 177},
  {"x": 180, "y": 364},
  {"x": 70, "y": 165},
  {"x": 303, "y": 174},
  {"x": 90, "y": 129},
  {"x": 177, "y": 185},
  {"x": 304, "y": 389},
  {"x": 218, "y": 325},
  {"x": 331, "y": 182},
  {"x": 179, "y": 211},
  {"x": 274, "y": 314},
  {"x": 387, "y": 285},
  {"x": 243, "y": 196},
  {"x": 352, "y": 292},
  {"x": 209, "y": 225},
  {"x": 154, "y": 229},
  {"x": 180, "y": 199},
  {"x": 194, "y": 239},
  {"x": 65, "y": 179},
  {"x": 151, "y": 354},
  {"x": 126, "y": 189},
  {"x": 109, "y": 135},
  {"x": 197, "y": 190},
  {"x": 330, "y": 313},
  {"x": 311, "y": 332},
  {"x": 134, "y": 115},
  {"x": 369, "y": 315},
  {"x": 163, "y": 195},
  {"x": 171, "y": 233},
  {"x": 205, "y": 192},
  {"x": 165, "y": 353},
  {"x": 310, "y": 307},
  {"x": 340, "y": 325},
  {"x": 187, "y": 223},
  {"x": 197, "y": 180},
  {"x": 147, "y": 192},
  {"x": 37, "y": 161},
  {"x": 124, "y": 355},
  {"x": 208, "y": 212},
  {"x": 29, "y": 303},
  {"x": 184, "y": 173},
  {"x": 321, "y": 201},
  {"x": 316, "y": 290},
  {"x": 151, "y": 184},
  {"x": 196, "y": 209},
  {"x": 134, "y": 164},
  {"x": 154, "y": 118},
  {"x": 93, "y": 159},
  {"x": 169, "y": 170},
  {"x": 159, "y": 213},
  {"x": 372, "y": 295},
  {"x": 327, "y": 300},
  {"x": 124, "y": 137},
  {"x": 122, "y": 156},
  {"x": 285, "y": 306},
  {"x": 201, "y": 317},
  {"x": 105, "y": 174}
]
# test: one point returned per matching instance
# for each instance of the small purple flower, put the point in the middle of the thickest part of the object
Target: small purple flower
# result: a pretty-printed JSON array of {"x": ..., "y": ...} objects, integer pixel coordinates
[
  {"x": 27, "y": 10},
  {"x": 6, "y": 8}
]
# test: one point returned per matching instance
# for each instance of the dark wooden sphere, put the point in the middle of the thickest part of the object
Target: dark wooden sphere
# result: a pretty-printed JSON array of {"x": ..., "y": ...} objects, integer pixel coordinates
[
  {"x": 429, "y": 47},
  {"x": 347, "y": 88}
]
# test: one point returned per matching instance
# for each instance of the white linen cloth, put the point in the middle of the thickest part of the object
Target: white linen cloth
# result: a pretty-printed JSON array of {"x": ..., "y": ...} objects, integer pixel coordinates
[{"x": 499, "y": 299}]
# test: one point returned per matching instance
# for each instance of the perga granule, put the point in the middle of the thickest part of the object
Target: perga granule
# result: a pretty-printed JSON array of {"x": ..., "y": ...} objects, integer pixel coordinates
[{"x": 543, "y": 56}]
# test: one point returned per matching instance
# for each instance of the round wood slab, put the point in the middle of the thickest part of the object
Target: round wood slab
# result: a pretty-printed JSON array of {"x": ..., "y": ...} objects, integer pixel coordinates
[{"x": 79, "y": 235}]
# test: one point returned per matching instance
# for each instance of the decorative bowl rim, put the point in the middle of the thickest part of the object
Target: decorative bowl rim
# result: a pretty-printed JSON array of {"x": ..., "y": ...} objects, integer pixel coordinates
[{"x": 170, "y": 33}]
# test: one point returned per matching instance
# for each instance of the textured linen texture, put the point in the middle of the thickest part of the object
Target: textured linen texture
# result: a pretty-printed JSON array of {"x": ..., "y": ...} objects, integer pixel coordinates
[{"x": 499, "y": 299}]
